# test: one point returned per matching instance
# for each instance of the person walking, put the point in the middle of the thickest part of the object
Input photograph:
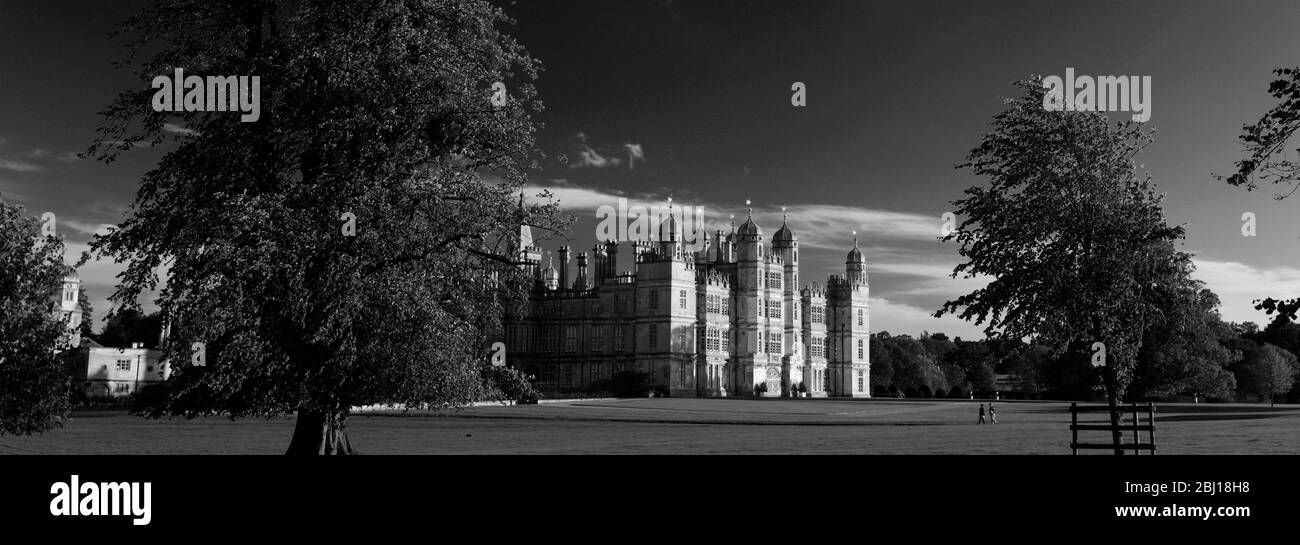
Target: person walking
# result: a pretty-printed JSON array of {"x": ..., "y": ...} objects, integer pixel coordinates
[
  {"x": 981, "y": 415},
  {"x": 993, "y": 414}
]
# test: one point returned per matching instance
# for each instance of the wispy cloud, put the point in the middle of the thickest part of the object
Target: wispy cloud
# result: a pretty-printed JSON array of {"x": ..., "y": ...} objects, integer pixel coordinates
[
  {"x": 634, "y": 154},
  {"x": 1238, "y": 284},
  {"x": 87, "y": 228},
  {"x": 589, "y": 157},
  {"x": 60, "y": 156},
  {"x": 177, "y": 129},
  {"x": 597, "y": 155},
  {"x": 19, "y": 166}
]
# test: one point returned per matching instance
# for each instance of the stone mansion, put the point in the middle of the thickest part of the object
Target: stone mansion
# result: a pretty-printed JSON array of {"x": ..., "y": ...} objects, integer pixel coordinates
[{"x": 726, "y": 320}]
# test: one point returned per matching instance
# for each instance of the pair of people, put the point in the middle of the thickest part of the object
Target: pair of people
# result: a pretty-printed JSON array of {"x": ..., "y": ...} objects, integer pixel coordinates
[{"x": 993, "y": 414}]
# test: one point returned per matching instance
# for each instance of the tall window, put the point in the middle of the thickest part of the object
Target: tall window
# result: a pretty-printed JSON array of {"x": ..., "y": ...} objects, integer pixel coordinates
[
  {"x": 859, "y": 381},
  {"x": 726, "y": 305},
  {"x": 654, "y": 298},
  {"x": 595, "y": 371},
  {"x": 681, "y": 341},
  {"x": 860, "y": 356},
  {"x": 760, "y": 341},
  {"x": 571, "y": 339},
  {"x": 654, "y": 335},
  {"x": 859, "y": 316},
  {"x": 774, "y": 280},
  {"x": 681, "y": 299},
  {"x": 620, "y": 336},
  {"x": 597, "y": 338},
  {"x": 620, "y": 302}
]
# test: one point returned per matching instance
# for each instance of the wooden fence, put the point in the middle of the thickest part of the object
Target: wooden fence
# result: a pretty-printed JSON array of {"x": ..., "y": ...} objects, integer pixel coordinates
[{"x": 1134, "y": 425}]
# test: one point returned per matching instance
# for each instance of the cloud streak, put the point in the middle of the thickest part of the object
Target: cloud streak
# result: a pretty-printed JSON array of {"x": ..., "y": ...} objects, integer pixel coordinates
[
  {"x": 590, "y": 158},
  {"x": 1238, "y": 284},
  {"x": 19, "y": 166}
]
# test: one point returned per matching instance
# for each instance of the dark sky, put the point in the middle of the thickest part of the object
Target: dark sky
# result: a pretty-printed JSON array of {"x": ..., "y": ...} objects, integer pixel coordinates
[{"x": 897, "y": 93}]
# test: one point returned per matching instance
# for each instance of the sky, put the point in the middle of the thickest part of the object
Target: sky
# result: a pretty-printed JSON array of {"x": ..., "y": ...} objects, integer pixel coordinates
[{"x": 651, "y": 99}]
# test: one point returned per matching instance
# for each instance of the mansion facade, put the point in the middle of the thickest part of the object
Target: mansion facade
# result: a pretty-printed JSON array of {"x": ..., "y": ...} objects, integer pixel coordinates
[{"x": 726, "y": 320}]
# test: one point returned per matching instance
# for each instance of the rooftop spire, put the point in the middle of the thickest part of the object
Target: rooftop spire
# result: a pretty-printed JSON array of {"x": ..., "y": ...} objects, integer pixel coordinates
[{"x": 751, "y": 209}]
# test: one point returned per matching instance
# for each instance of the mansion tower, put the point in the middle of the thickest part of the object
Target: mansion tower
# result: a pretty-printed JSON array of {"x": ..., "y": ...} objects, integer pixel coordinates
[{"x": 725, "y": 320}]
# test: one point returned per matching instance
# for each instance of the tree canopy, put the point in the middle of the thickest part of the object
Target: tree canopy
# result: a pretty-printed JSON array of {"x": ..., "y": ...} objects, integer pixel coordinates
[
  {"x": 375, "y": 116},
  {"x": 1074, "y": 239},
  {"x": 33, "y": 381}
]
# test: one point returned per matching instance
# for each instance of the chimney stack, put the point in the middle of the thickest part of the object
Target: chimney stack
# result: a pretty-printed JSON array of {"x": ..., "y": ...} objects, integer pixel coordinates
[{"x": 564, "y": 267}]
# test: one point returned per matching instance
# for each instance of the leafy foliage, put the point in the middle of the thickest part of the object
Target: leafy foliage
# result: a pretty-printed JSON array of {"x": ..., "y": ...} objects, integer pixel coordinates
[
  {"x": 508, "y": 383},
  {"x": 33, "y": 380},
  {"x": 377, "y": 109},
  {"x": 1266, "y": 371},
  {"x": 1073, "y": 238},
  {"x": 1185, "y": 351},
  {"x": 129, "y": 326}
]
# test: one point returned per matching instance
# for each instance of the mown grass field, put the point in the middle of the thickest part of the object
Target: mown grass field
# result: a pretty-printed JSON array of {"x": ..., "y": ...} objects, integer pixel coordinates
[{"x": 689, "y": 426}]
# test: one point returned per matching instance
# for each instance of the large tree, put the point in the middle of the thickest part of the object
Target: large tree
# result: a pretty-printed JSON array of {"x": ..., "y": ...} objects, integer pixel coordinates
[
  {"x": 33, "y": 381},
  {"x": 1265, "y": 372},
  {"x": 1072, "y": 236},
  {"x": 1183, "y": 351},
  {"x": 1266, "y": 144},
  {"x": 354, "y": 244}
]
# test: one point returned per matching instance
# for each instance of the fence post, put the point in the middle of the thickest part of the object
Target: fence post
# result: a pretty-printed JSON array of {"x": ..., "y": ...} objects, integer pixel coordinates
[
  {"x": 1151, "y": 419},
  {"x": 1074, "y": 428},
  {"x": 1136, "y": 424}
]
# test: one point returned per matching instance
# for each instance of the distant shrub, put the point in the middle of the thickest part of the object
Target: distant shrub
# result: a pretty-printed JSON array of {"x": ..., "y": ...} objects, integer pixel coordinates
[{"x": 508, "y": 383}]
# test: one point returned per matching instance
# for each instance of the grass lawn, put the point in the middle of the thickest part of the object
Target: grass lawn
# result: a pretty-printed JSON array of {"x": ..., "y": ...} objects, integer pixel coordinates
[{"x": 690, "y": 426}]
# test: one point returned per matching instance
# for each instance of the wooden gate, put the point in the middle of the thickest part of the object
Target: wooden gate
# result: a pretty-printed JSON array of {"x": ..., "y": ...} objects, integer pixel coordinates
[{"x": 1135, "y": 426}]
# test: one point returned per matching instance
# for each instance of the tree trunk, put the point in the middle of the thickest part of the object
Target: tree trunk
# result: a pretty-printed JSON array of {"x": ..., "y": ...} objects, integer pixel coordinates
[
  {"x": 1112, "y": 399},
  {"x": 320, "y": 432}
]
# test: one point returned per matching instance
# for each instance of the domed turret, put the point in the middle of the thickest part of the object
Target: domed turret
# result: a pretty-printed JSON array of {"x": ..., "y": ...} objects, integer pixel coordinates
[
  {"x": 855, "y": 264},
  {"x": 783, "y": 237},
  {"x": 749, "y": 228},
  {"x": 855, "y": 255}
]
